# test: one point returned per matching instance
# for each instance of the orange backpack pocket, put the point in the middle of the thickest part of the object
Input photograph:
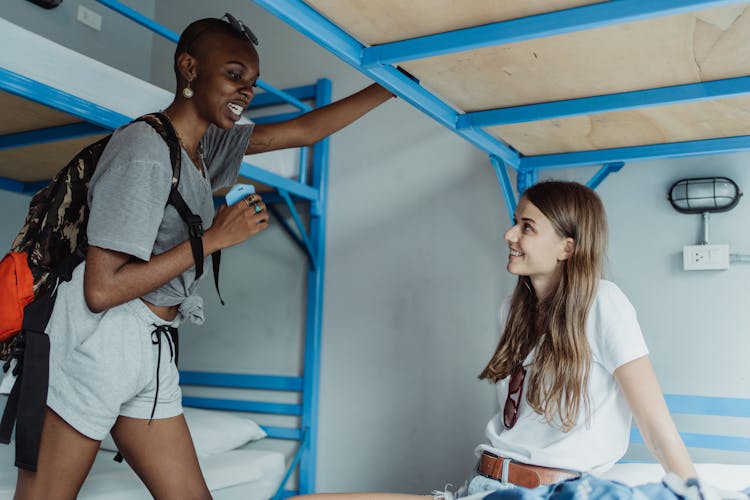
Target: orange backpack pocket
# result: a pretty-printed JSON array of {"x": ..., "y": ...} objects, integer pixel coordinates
[{"x": 16, "y": 291}]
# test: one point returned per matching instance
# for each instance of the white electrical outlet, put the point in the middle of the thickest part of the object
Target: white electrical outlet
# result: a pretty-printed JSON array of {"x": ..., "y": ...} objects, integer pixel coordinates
[
  {"x": 89, "y": 18},
  {"x": 705, "y": 257}
]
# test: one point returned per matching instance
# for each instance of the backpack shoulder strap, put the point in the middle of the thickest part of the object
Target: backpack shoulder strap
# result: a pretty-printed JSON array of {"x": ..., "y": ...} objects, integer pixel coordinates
[
  {"x": 163, "y": 127},
  {"x": 161, "y": 124}
]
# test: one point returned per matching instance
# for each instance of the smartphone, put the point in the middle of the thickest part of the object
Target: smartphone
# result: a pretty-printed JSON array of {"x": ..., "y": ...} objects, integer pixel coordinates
[{"x": 238, "y": 192}]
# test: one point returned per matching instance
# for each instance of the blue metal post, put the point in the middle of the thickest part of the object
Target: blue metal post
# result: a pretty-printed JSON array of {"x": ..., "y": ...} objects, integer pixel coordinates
[
  {"x": 526, "y": 178},
  {"x": 504, "y": 180},
  {"x": 308, "y": 246},
  {"x": 314, "y": 312}
]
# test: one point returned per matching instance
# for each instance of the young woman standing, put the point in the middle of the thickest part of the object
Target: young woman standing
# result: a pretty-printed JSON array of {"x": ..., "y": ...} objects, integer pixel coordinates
[{"x": 113, "y": 329}]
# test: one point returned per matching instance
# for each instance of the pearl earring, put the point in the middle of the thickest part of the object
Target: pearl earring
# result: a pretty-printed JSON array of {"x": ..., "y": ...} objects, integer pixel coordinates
[{"x": 187, "y": 92}]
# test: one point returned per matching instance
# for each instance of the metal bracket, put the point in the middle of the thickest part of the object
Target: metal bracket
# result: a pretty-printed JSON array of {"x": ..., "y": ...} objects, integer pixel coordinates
[
  {"x": 505, "y": 185},
  {"x": 302, "y": 239},
  {"x": 603, "y": 172},
  {"x": 526, "y": 178}
]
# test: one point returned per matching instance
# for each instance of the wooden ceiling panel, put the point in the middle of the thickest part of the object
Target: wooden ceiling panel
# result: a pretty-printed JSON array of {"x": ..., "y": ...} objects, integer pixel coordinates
[
  {"x": 20, "y": 115},
  {"x": 40, "y": 162},
  {"x": 659, "y": 52},
  {"x": 382, "y": 21},
  {"x": 683, "y": 122}
]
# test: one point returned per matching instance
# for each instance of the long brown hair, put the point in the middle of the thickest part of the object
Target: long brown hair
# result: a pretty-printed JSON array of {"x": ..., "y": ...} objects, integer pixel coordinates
[{"x": 557, "y": 325}]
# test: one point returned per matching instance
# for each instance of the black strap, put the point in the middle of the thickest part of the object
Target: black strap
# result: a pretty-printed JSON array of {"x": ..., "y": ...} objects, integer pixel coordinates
[
  {"x": 27, "y": 402},
  {"x": 32, "y": 401},
  {"x": 11, "y": 406},
  {"x": 28, "y": 399},
  {"x": 164, "y": 128},
  {"x": 195, "y": 228},
  {"x": 216, "y": 261}
]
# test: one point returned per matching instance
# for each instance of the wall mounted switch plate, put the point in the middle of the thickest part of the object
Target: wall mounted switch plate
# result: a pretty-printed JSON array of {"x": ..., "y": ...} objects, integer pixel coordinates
[{"x": 705, "y": 257}]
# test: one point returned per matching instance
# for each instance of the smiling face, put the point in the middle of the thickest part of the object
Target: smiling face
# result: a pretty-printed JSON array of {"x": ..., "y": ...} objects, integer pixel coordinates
[
  {"x": 224, "y": 70},
  {"x": 536, "y": 250}
]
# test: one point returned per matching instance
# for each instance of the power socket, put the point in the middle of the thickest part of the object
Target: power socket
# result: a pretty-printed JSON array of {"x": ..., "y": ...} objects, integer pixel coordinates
[
  {"x": 89, "y": 18},
  {"x": 705, "y": 257}
]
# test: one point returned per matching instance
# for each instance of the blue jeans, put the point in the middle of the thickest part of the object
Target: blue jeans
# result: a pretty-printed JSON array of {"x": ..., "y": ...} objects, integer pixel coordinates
[
  {"x": 481, "y": 483},
  {"x": 588, "y": 487}
]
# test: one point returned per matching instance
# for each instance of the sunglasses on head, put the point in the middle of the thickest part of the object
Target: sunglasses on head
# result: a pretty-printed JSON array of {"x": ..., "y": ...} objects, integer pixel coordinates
[
  {"x": 237, "y": 25},
  {"x": 241, "y": 27},
  {"x": 515, "y": 389}
]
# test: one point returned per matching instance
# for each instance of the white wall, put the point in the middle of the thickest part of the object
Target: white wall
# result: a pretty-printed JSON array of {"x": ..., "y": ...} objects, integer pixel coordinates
[
  {"x": 120, "y": 43},
  {"x": 415, "y": 271},
  {"x": 695, "y": 322}
]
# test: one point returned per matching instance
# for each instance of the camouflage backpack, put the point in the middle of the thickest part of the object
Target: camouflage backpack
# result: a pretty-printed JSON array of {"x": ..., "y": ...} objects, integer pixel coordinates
[
  {"x": 50, "y": 245},
  {"x": 53, "y": 237}
]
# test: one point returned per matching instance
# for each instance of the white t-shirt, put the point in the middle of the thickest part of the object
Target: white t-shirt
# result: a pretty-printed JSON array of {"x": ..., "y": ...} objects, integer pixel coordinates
[{"x": 594, "y": 446}]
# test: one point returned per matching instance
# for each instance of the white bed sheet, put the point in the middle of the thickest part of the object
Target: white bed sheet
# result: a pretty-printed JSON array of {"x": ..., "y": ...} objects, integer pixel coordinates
[
  {"x": 47, "y": 62},
  {"x": 242, "y": 473},
  {"x": 726, "y": 476}
]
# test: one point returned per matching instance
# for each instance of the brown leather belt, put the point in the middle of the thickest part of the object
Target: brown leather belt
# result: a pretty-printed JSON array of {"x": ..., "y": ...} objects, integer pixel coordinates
[{"x": 520, "y": 474}]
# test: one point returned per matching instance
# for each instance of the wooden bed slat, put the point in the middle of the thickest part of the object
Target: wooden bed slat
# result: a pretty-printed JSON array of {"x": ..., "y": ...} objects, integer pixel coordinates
[
  {"x": 661, "y": 124},
  {"x": 688, "y": 48},
  {"x": 19, "y": 115},
  {"x": 383, "y": 21},
  {"x": 40, "y": 162}
]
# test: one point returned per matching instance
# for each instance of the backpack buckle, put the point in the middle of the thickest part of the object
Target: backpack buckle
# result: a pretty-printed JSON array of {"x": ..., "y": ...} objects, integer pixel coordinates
[{"x": 195, "y": 226}]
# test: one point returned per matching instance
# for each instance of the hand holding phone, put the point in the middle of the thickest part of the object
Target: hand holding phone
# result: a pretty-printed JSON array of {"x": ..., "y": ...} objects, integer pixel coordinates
[{"x": 238, "y": 192}]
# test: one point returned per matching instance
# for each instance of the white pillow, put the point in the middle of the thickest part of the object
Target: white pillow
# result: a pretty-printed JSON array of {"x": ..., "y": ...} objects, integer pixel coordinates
[{"x": 213, "y": 431}]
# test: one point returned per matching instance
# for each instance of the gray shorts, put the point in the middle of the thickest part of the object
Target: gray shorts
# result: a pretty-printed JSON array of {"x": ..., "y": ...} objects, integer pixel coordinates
[{"x": 105, "y": 365}]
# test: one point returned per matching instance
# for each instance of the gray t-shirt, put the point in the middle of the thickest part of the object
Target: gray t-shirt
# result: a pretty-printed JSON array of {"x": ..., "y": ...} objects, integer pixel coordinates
[{"x": 130, "y": 187}]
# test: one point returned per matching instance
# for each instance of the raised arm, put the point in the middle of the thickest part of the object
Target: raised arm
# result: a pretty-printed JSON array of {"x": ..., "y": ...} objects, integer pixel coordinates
[
  {"x": 641, "y": 388},
  {"x": 319, "y": 123}
]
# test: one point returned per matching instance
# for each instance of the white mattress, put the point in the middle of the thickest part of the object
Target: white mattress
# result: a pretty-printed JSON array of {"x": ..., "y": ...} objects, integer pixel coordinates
[
  {"x": 726, "y": 476},
  {"x": 47, "y": 62},
  {"x": 242, "y": 473}
]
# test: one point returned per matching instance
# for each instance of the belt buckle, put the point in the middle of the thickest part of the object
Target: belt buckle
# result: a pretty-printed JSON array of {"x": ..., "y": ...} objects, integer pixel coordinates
[{"x": 479, "y": 465}]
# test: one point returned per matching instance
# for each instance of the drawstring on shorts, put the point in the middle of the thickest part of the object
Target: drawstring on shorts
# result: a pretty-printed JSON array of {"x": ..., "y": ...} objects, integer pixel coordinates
[
  {"x": 157, "y": 333},
  {"x": 170, "y": 333}
]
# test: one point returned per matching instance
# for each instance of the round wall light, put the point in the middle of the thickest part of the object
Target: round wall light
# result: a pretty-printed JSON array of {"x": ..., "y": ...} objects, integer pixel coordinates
[{"x": 704, "y": 194}]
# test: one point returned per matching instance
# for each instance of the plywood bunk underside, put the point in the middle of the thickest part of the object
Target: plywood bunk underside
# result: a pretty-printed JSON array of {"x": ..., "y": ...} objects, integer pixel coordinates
[
  {"x": 38, "y": 162},
  {"x": 680, "y": 49}
]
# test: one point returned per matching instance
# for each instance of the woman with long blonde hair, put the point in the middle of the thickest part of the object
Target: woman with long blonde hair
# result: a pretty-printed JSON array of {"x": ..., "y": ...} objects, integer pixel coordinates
[{"x": 571, "y": 367}]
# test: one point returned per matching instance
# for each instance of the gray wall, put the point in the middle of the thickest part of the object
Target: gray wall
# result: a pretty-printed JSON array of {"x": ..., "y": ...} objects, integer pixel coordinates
[
  {"x": 120, "y": 43},
  {"x": 415, "y": 271}
]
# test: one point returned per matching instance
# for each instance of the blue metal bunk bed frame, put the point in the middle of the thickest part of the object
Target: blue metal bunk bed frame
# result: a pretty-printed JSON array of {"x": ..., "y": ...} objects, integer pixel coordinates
[
  {"x": 311, "y": 240},
  {"x": 379, "y": 62}
]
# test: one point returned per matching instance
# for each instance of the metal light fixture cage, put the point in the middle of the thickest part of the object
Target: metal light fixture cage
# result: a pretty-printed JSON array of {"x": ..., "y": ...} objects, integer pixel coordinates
[{"x": 704, "y": 194}]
